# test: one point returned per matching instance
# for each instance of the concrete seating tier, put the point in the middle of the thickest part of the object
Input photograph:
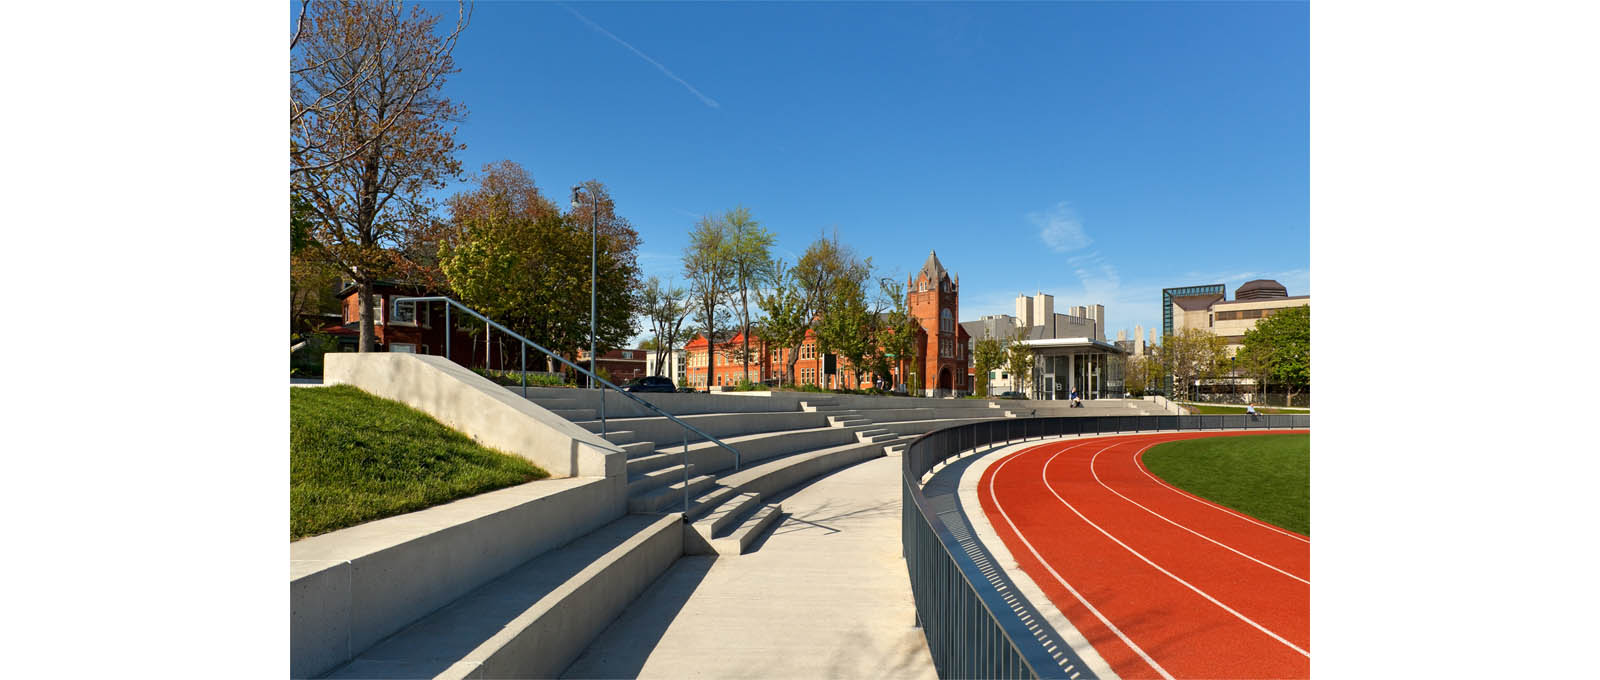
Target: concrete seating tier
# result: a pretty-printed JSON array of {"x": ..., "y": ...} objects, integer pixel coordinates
[{"x": 536, "y": 618}]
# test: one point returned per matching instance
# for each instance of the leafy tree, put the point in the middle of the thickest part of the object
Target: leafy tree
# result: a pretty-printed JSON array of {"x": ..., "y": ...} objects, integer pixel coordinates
[
  {"x": 898, "y": 332},
  {"x": 1192, "y": 355},
  {"x": 511, "y": 255},
  {"x": 1019, "y": 361},
  {"x": 987, "y": 354},
  {"x": 787, "y": 317},
  {"x": 368, "y": 132},
  {"x": 824, "y": 263},
  {"x": 618, "y": 285},
  {"x": 753, "y": 267},
  {"x": 708, "y": 264},
  {"x": 1143, "y": 374},
  {"x": 848, "y": 327},
  {"x": 1279, "y": 349},
  {"x": 665, "y": 307}
]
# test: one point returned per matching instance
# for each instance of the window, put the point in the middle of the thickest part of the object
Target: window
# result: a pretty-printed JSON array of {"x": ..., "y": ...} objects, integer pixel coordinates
[
  {"x": 407, "y": 314},
  {"x": 406, "y": 348},
  {"x": 626, "y": 354},
  {"x": 377, "y": 309},
  {"x": 947, "y": 322}
]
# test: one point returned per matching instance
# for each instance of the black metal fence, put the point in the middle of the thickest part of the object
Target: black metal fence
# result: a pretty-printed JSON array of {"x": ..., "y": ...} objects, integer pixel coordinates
[{"x": 971, "y": 631}]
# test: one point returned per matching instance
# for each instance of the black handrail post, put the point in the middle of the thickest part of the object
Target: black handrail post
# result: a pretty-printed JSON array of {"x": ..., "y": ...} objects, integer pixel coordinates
[
  {"x": 524, "y": 370},
  {"x": 447, "y": 334}
]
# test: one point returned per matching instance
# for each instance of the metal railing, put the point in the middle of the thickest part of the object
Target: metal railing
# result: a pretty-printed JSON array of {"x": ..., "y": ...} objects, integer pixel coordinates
[
  {"x": 972, "y": 631},
  {"x": 606, "y": 384}
]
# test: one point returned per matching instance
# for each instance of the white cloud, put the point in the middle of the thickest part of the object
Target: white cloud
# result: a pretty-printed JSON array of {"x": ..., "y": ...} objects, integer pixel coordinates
[{"x": 1060, "y": 229}]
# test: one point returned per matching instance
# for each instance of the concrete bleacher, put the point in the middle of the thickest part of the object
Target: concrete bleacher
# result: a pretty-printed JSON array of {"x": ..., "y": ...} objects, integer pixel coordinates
[{"x": 683, "y": 496}]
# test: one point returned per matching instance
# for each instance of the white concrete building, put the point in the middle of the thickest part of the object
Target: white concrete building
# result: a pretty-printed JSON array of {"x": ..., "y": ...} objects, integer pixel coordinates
[
  {"x": 1070, "y": 350},
  {"x": 676, "y": 367}
]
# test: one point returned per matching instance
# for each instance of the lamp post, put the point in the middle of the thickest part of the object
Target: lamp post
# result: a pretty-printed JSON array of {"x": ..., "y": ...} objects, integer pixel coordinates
[{"x": 594, "y": 230}]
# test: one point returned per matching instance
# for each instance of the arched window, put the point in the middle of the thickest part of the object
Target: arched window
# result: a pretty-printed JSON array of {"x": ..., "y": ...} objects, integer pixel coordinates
[{"x": 947, "y": 323}]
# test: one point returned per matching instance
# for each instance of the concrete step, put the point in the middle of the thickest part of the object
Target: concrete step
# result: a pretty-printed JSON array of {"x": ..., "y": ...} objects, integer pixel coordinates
[
  {"x": 848, "y": 421},
  {"x": 574, "y": 413},
  {"x": 732, "y": 507},
  {"x": 876, "y": 435},
  {"x": 700, "y": 506},
  {"x": 746, "y": 532},
  {"x": 643, "y": 483},
  {"x": 812, "y": 405},
  {"x": 639, "y": 449},
  {"x": 669, "y": 497},
  {"x": 620, "y": 437},
  {"x": 654, "y": 461},
  {"x": 537, "y": 618},
  {"x": 896, "y": 449}
]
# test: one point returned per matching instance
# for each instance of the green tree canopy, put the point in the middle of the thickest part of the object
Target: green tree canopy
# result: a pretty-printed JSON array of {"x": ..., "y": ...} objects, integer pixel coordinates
[
  {"x": 987, "y": 354},
  {"x": 1279, "y": 348}
]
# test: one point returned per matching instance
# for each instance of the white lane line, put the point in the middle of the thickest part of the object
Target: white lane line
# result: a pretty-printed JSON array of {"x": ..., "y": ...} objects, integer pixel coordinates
[
  {"x": 1164, "y": 518},
  {"x": 1140, "y": 459},
  {"x": 1114, "y": 629},
  {"x": 1042, "y": 477}
]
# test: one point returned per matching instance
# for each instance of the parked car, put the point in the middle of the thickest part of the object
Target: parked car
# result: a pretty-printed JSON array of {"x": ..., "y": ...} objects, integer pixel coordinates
[
  {"x": 687, "y": 390},
  {"x": 1012, "y": 395},
  {"x": 653, "y": 383}
]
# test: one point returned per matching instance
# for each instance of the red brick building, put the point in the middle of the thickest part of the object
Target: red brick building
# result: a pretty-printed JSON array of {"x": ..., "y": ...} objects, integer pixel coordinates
[
  {"x": 621, "y": 364},
  {"x": 932, "y": 297},
  {"x": 419, "y": 328}
]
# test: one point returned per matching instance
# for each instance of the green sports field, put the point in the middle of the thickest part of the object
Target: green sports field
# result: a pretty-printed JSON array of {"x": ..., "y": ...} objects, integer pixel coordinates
[{"x": 1265, "y": 476}]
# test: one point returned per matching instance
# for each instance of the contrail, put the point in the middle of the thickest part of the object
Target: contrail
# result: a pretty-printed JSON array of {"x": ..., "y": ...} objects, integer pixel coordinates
[{"x": 708, "y": 101}]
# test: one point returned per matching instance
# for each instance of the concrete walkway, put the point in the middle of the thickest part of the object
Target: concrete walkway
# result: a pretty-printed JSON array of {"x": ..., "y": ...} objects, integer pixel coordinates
[{"x": 824, "y": 595}]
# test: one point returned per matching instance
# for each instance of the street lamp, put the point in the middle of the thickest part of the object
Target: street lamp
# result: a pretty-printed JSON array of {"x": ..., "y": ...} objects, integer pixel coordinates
[{"x": 594, "y": 230}]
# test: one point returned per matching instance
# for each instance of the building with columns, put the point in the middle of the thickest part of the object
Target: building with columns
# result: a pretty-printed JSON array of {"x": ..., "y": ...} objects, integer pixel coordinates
[{"x": 1070, "y": 351}]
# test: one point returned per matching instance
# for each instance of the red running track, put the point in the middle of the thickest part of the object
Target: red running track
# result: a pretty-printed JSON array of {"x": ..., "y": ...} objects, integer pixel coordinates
[{"x": 1163, "y": 583}]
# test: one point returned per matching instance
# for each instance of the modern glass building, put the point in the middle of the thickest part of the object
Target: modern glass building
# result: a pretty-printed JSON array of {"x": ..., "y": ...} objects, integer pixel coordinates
[{"x": 1187, "y": 291}]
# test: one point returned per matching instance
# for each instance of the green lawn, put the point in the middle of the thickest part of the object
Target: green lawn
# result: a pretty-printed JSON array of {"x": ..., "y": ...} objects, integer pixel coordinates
[
  {"x": 1199, "y": 409},
  {"x": 355, "y": 458},
  {"x": 1265, "y": 476}
]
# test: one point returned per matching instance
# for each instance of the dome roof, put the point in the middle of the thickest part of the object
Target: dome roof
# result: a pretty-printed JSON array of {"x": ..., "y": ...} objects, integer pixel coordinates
[{"x": 1260, "y": 289}]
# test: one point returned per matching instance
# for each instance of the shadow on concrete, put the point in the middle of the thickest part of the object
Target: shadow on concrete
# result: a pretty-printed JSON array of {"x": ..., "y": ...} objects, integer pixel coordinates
[{"x": 621, "y": 650}]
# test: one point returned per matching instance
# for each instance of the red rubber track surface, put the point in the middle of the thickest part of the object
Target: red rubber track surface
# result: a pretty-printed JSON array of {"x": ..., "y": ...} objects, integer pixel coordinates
[{"x": 1186, "y": 588}]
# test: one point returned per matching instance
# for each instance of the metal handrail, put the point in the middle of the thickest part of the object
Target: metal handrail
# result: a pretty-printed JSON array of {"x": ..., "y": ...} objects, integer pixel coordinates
[{"x": 737, "y": 459}]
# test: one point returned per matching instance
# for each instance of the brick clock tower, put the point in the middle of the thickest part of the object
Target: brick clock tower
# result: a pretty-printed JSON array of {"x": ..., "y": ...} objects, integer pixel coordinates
[{"x": 933, "y": 297}]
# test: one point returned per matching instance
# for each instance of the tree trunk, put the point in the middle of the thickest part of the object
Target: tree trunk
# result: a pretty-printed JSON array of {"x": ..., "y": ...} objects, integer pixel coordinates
[{"x": 368, "y": 331}]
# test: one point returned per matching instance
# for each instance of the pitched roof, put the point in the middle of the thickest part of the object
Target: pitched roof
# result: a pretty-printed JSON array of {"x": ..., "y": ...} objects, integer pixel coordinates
[{"x": 932, "y": 268}]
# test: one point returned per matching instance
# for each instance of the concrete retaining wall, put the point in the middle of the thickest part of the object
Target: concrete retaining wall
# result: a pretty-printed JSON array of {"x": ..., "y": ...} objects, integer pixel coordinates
[
  {"x": 351, "y": 588},
  {"x": 477, "y": 407}
]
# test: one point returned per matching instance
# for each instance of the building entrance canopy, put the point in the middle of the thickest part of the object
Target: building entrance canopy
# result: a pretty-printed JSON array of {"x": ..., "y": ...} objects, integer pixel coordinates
[{"x": 1091, "y": 367}]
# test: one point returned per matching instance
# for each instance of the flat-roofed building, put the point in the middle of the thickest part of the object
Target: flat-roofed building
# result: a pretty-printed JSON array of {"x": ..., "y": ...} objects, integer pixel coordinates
[
  {"x": 1253, "y": 301},
  {"x": 1070, "y": 351}
]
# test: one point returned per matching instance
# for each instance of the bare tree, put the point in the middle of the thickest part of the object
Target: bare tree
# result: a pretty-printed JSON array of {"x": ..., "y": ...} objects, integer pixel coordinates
[{"x": 368, "y": 133}]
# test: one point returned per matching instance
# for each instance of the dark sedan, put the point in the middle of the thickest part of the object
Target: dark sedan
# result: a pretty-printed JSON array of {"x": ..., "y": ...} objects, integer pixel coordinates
[
  {"x": 1012, "y": 395},
  {"x": 654, "y": 383}
]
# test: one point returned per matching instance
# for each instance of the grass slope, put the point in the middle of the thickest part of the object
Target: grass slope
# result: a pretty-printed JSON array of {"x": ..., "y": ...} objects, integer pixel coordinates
[
  {"x": 1265, "y": 476},
  {"x": 355, "y": 458}
]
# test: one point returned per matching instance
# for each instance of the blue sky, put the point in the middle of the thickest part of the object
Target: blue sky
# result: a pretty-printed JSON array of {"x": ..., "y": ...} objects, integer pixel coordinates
[{"x": 1095, "y": 151}]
